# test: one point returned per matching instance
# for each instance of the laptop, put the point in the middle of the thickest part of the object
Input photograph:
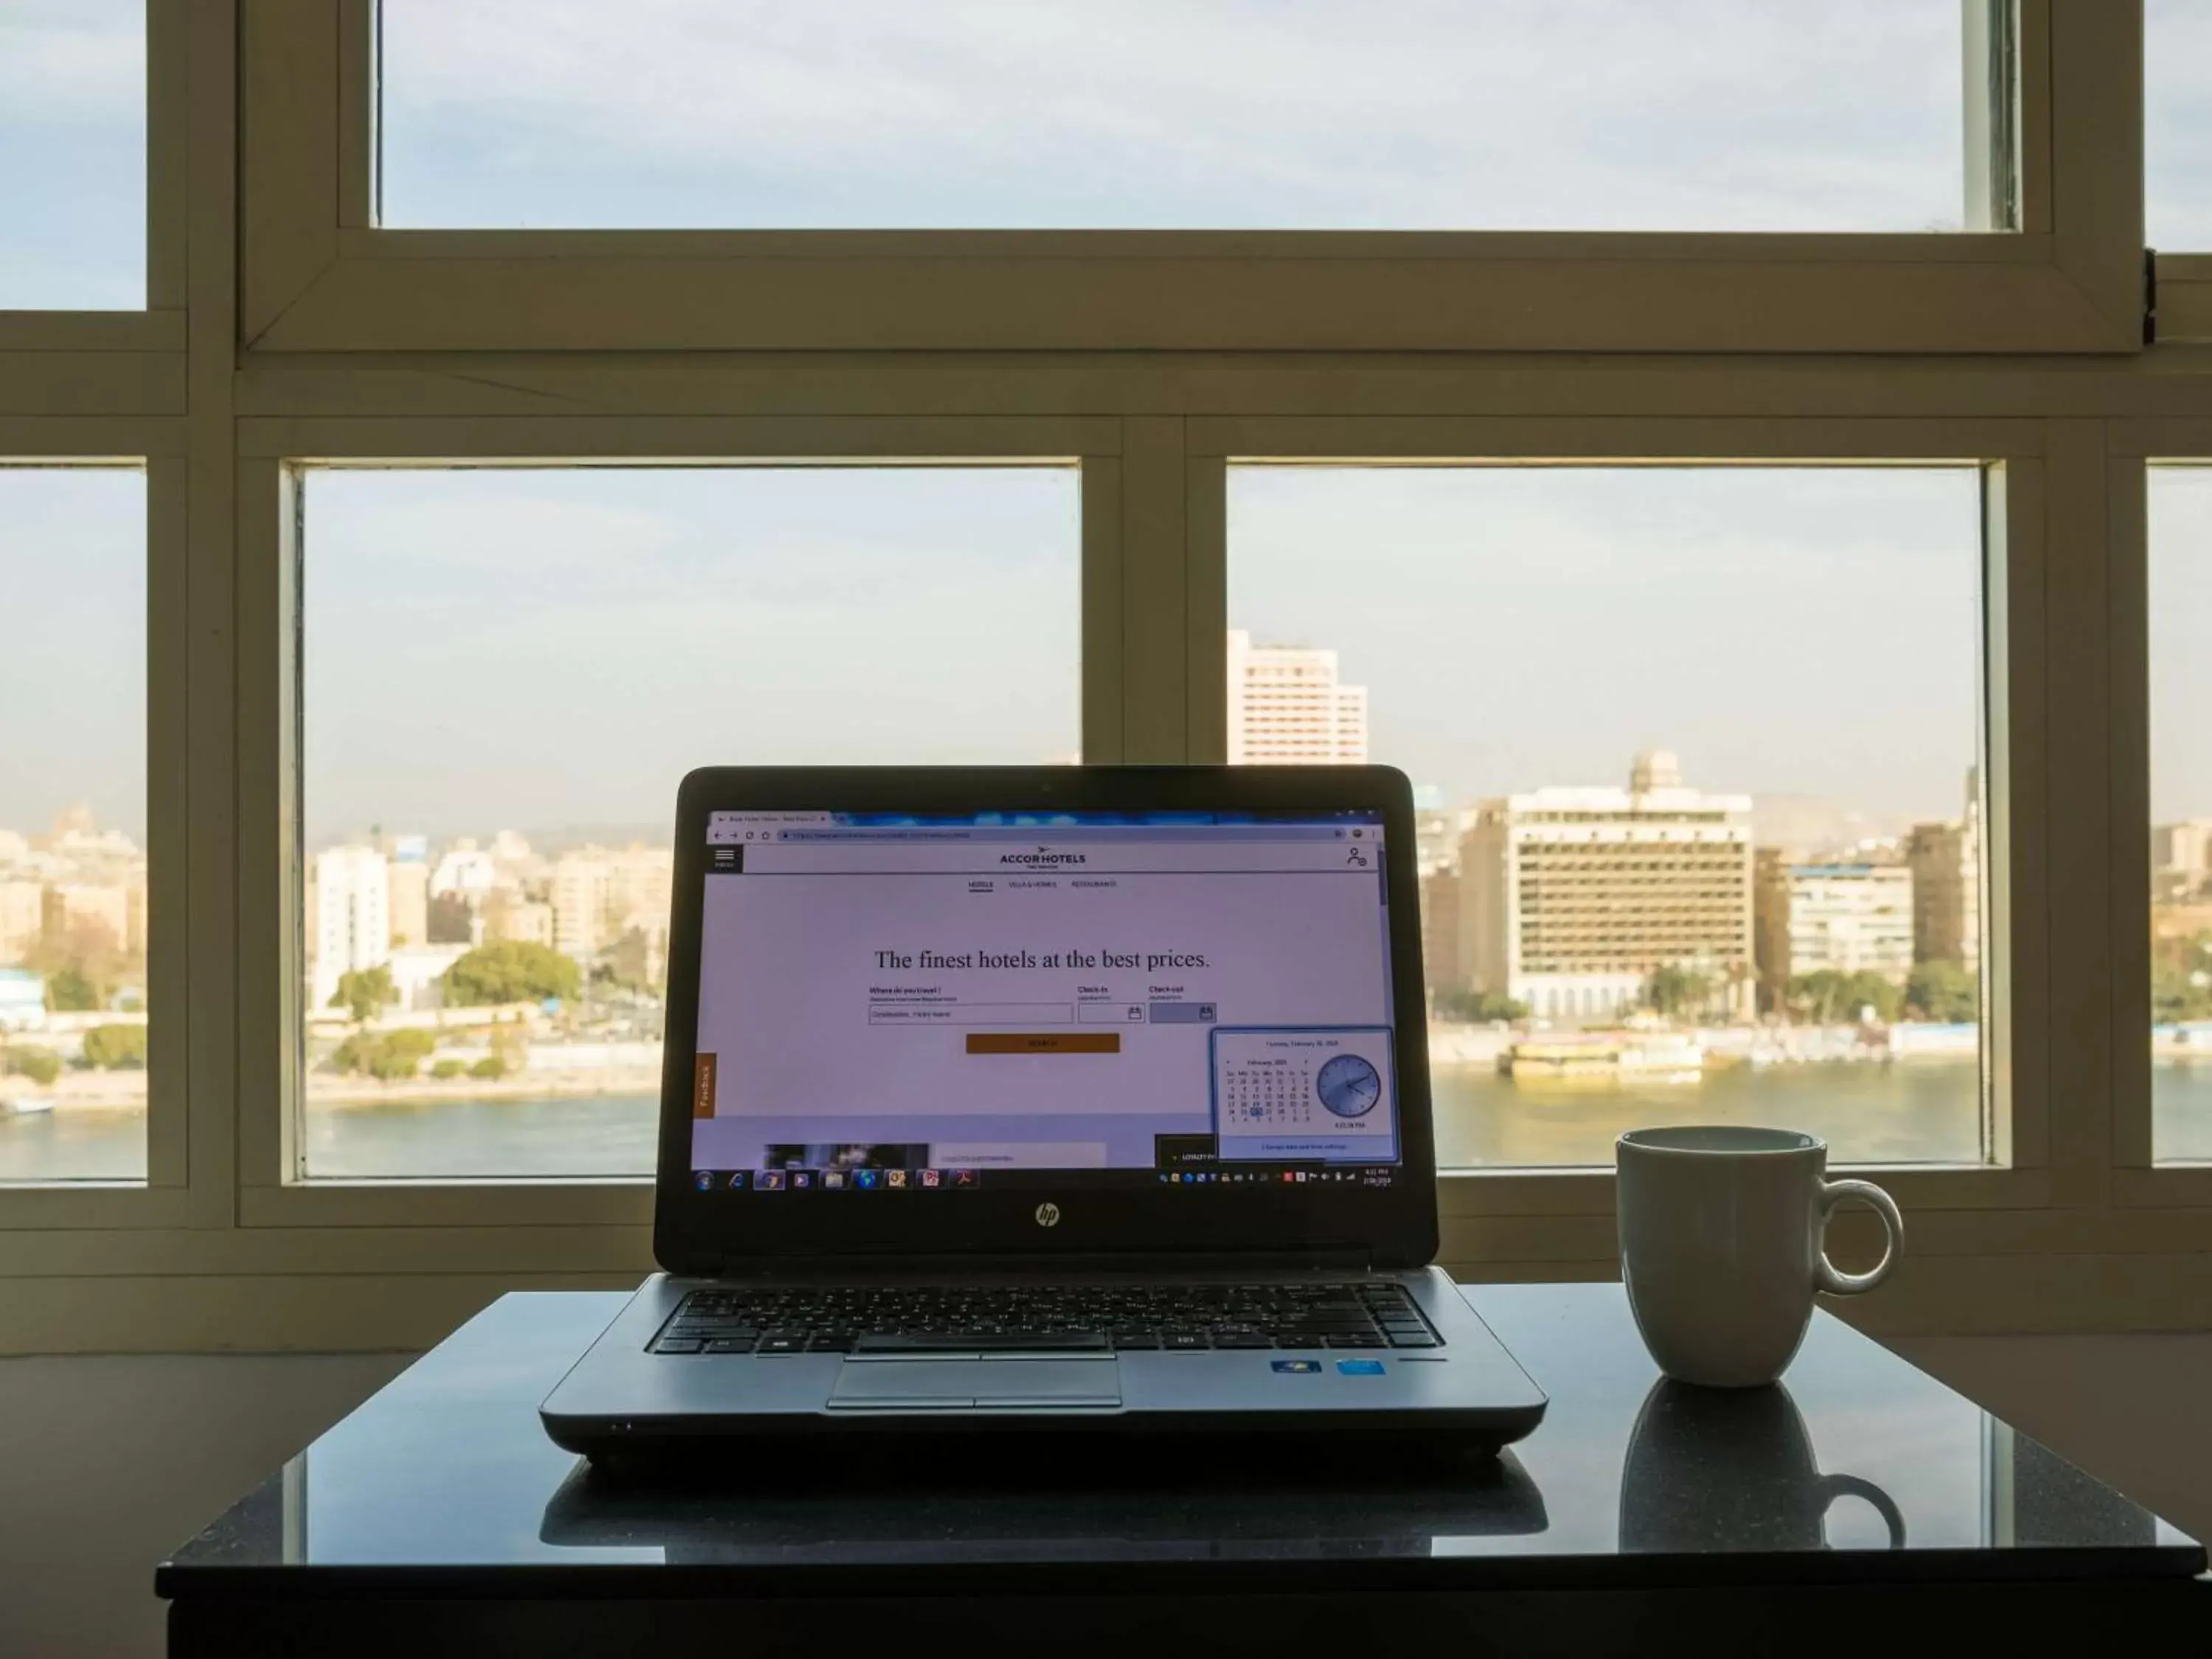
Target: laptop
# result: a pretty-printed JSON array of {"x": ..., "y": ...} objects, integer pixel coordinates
[{"x": 1092, "y": 1101}]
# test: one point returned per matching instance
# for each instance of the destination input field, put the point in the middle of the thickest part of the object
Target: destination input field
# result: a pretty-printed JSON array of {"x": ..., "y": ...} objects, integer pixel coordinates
[{"x": 971, "y": 1013}]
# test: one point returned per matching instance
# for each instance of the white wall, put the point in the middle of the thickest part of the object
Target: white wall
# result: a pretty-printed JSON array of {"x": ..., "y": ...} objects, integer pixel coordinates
[
  {"x": 2134, "y": 1411},
  {"x": 107, "y": 1463}
]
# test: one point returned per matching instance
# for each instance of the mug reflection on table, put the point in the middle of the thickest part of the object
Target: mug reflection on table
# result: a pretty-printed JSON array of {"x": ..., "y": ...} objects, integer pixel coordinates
[{"x": 1731, "y": 1469}]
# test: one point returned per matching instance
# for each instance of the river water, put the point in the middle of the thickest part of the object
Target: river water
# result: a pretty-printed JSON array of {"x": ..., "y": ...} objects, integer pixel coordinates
[{"x": 1916, "y": 1112}]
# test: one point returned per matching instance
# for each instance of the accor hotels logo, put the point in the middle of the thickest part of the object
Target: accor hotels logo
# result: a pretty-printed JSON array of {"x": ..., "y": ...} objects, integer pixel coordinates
[{"x": 1044, "y": 857}]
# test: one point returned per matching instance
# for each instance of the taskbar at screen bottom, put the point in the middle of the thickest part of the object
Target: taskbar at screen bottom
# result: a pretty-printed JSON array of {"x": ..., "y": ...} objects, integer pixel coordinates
[{"x": 968, "y": 1179}]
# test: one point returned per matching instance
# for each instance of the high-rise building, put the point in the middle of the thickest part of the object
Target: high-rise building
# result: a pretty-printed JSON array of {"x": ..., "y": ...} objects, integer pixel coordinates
[
  {"x": 1286, "y": 707},
  {"x": 409, "y": 880},
  {"x": 2181, "y": 855},
  {"x": 1571, "y": 899},
  {"x": 467, "y": 870},
  {"x": 22, "y": 918},
  {"x": 510, "y": 918},
  {"x": 1441, "y": 967},
  {"x": 1846, "y": 919},
  {"x": 640, "y": 881},
  {"x": 74, "y": 909},
  {"x": 1769, "y": 925},
  {"x": 352, "y": 919},
  {"x": 136, "y": 911},
  {"x": 1945, "y": 861},
  {"x": 579, "y": 894},
  {"x": 1436, "y": 831}
]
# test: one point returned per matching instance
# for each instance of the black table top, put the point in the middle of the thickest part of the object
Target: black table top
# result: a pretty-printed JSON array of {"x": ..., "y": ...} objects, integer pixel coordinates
[{"x": 1861, "y": 1468}]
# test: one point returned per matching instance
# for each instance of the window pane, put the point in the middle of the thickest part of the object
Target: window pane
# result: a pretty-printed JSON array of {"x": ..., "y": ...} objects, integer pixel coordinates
[
  {"x": 73, "y": 1001},
  {"x": 1699, "y": 833},
  {"x": 72, "y": 154},
  {"x": 1285, "y": 115},
  {"x": 2181, "y": 810},
  {"x": 2177, "y": 125},
  {"x": 506, "y": 675}
]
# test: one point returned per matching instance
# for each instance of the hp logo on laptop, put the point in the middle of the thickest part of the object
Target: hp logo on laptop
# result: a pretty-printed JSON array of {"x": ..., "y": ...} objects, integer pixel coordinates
[{"x": 1048, "y": 1214}]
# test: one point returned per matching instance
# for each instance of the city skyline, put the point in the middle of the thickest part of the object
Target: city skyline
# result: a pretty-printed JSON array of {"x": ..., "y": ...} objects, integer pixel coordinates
[{"x": 1807, "y": 632}]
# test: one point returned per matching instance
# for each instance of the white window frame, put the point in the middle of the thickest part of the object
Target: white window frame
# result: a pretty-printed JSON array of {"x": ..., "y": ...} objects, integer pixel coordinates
[
  {"x": 358, "y": 346},
  {"x": 274, "y": 456},
  {"x": 2019, "y": 1061},
  {"x": 321, "y": 275},
  {"x": 89, "y": 362},
  {"x": 2139, "y": 1182},
  {"x": 163, "y": 1198}
]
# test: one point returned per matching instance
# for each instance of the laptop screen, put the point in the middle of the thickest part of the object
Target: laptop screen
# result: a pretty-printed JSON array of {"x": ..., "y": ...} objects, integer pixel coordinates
[{"x": 939, "y": 1005}]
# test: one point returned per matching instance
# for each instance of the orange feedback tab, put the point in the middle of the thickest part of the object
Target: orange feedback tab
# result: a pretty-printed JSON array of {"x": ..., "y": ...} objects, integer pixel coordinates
[
  {"x": 1044, "y": 1042},
  {"x": 702, "y": 1086}
]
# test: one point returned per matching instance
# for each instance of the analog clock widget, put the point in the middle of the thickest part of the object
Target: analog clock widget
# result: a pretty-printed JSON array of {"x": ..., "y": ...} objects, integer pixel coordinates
[{"x": 1349, "y": 1086}]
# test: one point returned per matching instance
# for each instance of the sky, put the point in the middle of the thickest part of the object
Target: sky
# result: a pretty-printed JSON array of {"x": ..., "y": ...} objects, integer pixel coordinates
[
  {"x": 72, "y": 154},
  {"x": 545, "y": 649},
  {"x": 72, "y": 645},
  {"x": 1769, "y": 607},
  {"x": 2180, "y": 513},
  {"x": 2177, "y": 125},
  {"x": 1586, "y": 115},
  {"x": 1809, "y": 632},
  {"x": 1175, "y": 113}
]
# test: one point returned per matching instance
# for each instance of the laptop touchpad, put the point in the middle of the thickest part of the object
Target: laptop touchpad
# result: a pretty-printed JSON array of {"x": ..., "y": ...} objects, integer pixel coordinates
[{"x": 994, "y": 1384}]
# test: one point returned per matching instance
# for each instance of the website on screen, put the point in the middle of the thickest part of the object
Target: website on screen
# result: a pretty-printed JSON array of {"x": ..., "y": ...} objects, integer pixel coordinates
[{"x": 935, "y": 1004}]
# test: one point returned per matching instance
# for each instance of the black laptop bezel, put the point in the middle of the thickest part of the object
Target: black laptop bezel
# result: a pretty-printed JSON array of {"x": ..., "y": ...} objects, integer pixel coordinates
[{"x": 699, "y": 1232}]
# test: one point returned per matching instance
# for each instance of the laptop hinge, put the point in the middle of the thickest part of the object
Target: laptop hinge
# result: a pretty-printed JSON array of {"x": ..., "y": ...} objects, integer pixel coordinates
[{"x": 829, "y": 1264}]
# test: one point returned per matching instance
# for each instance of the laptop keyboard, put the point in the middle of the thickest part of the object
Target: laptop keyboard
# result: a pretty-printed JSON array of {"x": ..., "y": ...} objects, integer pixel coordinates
[{"x": 1045, "y": 1319}]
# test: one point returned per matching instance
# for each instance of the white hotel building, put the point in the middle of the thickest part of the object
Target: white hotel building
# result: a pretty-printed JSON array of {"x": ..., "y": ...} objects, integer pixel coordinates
[
  {"x": 1571, "y": 898},
  {"x": 1286, "y": 707},
  {"x": 351, "y": 917}
]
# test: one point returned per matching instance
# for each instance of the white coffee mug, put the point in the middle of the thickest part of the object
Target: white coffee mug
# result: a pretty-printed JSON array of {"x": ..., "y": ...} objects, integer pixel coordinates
[{"x": 1721, "y": 1231}]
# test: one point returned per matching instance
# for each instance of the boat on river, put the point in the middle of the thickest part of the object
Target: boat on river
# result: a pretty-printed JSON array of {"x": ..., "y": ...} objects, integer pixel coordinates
[{"x": 1604, "y": 1059}]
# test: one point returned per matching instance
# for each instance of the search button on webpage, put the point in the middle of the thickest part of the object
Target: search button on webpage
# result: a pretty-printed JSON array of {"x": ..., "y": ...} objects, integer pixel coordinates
[{"x": 1044, "y": 1042}]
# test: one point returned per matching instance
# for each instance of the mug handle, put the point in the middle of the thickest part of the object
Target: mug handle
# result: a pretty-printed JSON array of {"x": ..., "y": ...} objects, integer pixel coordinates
[
  {"x": 1849, "y": 1486},
  {"x": 1824, "y": 1274}
]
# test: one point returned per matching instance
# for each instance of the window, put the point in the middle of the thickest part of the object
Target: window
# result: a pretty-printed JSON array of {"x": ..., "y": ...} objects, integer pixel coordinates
[
  {"x": 1697, "y": 750},
  {"x": 2178, "y": 125},
  {"x": 2180, "y": 547},
  {"x": 73, "y": 154},
  {"x": 505, "y": 673},
  {"x": 491, "y": 288},
  {"x": 1175, "y": 114},
  {"x": 73, "y": 912}
]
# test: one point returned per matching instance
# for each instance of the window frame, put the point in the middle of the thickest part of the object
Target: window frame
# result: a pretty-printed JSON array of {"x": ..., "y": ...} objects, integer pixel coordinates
[
  {"x": 322, "y": 277},
  {"x": 2139, "y": 1181},
  {"x": 162, "y": 1197},
  {"x": 124, "y": 363},
  {"x": 275, "y": 454},
  {"x": 2009, "y": 454}
]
